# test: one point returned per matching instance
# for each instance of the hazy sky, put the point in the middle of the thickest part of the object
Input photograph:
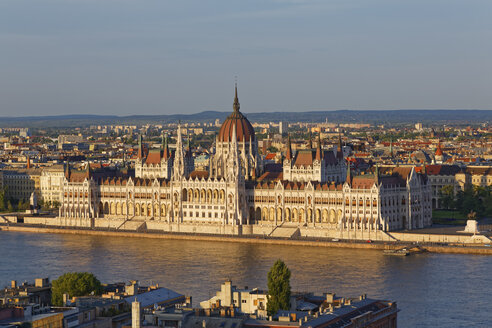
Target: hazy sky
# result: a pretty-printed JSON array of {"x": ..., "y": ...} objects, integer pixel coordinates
[{"x": 160, "y": 56}]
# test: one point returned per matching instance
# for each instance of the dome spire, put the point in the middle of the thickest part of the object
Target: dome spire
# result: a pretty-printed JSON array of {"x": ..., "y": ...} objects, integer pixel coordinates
[{"x": 236, "y": 106}]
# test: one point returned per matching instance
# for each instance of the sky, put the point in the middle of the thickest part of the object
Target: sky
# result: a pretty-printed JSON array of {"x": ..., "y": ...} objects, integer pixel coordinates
[{"x": 127, "y": 57}]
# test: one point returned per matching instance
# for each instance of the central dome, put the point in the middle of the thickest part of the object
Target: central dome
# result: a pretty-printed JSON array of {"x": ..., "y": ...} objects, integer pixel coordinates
[{"x": 244, "y": 129}]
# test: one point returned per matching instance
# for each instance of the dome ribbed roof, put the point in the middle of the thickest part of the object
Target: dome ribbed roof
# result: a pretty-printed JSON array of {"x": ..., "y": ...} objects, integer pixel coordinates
[{"x": 244, "y": 129}]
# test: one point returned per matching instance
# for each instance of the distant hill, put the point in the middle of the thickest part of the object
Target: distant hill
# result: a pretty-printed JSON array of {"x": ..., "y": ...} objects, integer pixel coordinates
[{"x": 337, "y": 116}]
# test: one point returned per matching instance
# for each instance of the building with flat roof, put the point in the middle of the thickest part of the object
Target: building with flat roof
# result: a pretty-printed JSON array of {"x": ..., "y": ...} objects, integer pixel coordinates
[{"x": 248, "y": 301}]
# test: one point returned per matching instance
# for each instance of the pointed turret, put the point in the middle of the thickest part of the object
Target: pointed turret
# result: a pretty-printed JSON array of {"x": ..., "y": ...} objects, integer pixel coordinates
[
  {"x": 166, "y": 155},
  {"x": 140, "y": 147},
  {"x": 288, "y": 153},
  {"x": 339, "y": 147},
  {"x": 88, "y": 170},
  {"x": 319, "y": 153},
  {"x": 179, "y": 165},
  {"x": 28, "y": 165},
  {"x": 188, "y": 147},
  {"x": 236, "y": 105},
  {"x": 376, "y": 174},
  {"x": 310, "y": 144},
  {"x": 67, "y": 170},
  {"x": 349, "y": 174}
]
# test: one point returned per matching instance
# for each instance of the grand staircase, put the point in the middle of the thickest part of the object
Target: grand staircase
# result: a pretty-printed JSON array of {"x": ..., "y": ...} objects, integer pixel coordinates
[{"x": 285, "y": 232}]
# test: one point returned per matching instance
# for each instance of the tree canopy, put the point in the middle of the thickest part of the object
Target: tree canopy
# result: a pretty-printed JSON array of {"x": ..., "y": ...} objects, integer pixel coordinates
[
  {"x": 278, "y": 288},
  {"x": 474, "y": 198},
  {"x": 74, "y": 284}
]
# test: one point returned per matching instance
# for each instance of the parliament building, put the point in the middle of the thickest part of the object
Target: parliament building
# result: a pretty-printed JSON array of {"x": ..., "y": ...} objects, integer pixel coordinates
[{"x": 314, "y": 193}]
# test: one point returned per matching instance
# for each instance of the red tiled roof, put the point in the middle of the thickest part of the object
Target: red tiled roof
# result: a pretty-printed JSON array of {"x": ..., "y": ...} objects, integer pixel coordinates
[
  {"x": 154, "y": 157},
  {"x": 363, "y": 182},
  {"x": 304, "y": 158}
]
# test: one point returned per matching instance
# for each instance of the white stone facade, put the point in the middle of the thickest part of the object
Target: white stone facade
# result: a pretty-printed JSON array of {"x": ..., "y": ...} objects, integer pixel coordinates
[{"x": 228, "y": 196}]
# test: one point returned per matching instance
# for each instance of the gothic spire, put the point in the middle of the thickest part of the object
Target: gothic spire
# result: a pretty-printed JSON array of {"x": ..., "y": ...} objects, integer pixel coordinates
[
  {"x": 288, "y": 153},
  {"x": 166, "y": 153},
  {"x": 319, "y": 154},
  {"x": 67, "y": 170},
  {"x": 339, "y": 147},
  {"x": 88, "y": 170},
  {"x": 349, "y": 174},
  {"x": 188, "y": 147},
  {"x": 179, "y": 165},
  {"x": 236, "y": 105},
  {"x": 140, "y": 147}
]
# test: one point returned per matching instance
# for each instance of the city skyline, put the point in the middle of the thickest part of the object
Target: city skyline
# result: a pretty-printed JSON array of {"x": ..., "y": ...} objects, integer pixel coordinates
[{"x": 125, "y": 57}]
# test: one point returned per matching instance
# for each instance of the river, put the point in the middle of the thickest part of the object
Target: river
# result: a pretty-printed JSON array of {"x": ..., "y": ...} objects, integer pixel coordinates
[{"x": 431, "y": 290}]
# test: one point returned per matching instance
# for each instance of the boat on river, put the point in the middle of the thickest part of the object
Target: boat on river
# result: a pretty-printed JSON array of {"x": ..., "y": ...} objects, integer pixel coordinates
[{"x": 397, "y": 252}]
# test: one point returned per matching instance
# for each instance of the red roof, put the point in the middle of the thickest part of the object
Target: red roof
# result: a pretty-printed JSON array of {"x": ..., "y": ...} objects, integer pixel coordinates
[
  {"x": 154, "y": 157},
  {"x": 244, "y": 129}
]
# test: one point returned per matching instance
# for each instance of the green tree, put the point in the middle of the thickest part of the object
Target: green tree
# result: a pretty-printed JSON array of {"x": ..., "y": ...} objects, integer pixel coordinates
[
  {"x": 278, "y": 288},
  {"x": 10, "y": 208},
  {"x": 468, "y": 200},
  {"x": 74, "y": 284},
  {"x": 2, "y": 198},
  {"x": 488, "y": 204},
  {"x": 447, "y": 196}
]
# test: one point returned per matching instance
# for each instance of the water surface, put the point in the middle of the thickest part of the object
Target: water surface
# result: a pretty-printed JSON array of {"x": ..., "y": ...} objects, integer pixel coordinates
[{"x": 432, "y": 290}]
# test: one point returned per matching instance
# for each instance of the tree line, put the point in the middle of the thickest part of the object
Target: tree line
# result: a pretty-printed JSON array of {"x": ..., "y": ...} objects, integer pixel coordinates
[{"x": 473, "y": 199}]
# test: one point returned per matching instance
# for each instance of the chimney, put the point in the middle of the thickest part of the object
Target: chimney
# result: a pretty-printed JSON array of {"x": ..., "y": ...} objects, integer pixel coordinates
[
  {"x": 136, "y": 314},
  {"x": 330, "y": 297}
]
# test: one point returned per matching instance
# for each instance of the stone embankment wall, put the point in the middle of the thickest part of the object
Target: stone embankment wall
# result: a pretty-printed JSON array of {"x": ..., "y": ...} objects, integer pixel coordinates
[
  {"x": 263, "y": 231},
  {"x": 255, "y": 240}
]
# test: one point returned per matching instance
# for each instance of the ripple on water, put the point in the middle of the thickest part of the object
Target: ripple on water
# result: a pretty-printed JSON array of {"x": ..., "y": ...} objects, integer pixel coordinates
[{"x": 432, "y": 290}]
